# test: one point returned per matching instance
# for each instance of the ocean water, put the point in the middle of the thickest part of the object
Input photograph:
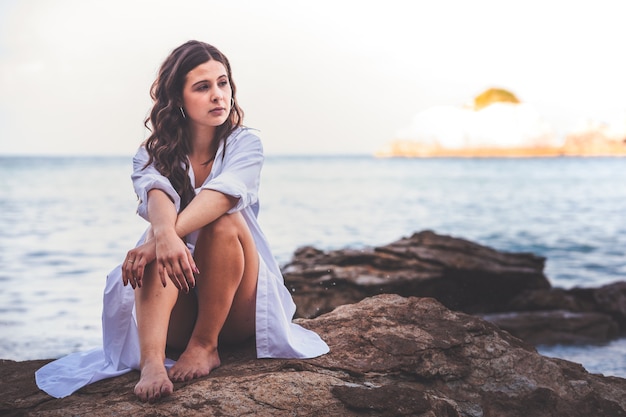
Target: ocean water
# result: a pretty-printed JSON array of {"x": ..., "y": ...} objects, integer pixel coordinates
[{"x": 66, "y": 222}]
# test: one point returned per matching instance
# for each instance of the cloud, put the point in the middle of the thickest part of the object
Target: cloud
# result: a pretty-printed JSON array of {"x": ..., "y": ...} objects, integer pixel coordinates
[
  {"x": 499, "y": 125},
  {"x": 325, "y": 77}
]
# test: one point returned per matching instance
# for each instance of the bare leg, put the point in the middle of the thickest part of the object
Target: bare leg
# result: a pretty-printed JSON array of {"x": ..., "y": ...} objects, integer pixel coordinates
[
  {"x": 228, "y": 262},
  {"x": 154, "y": 305}
]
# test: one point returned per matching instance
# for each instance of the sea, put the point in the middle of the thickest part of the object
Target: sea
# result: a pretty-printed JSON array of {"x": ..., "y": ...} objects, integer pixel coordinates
[{"x": 65, "y": 222}]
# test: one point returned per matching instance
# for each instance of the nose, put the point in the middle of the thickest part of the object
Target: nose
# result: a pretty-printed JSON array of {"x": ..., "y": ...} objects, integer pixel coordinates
[{"x": 217, "y": 95}]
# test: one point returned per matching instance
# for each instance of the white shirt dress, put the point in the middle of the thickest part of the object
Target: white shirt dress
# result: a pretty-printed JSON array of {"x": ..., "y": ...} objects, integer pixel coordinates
[{"x": 236, "y": 174}]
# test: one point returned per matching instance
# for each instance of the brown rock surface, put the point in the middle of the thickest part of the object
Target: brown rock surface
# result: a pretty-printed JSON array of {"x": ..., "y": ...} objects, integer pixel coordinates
[
  {"x": 509, "y": 289},
  {"x": 611, "y": 299},
  {"x": 390, "y": 356},
  {"x": 580, "y": 300},
  {"x": 547, "y": 327},
  {"x": 577, "y": 315},
  {"x": 461, "y": 274}
]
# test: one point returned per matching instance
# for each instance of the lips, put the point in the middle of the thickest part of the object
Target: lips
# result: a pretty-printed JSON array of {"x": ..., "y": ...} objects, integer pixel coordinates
[{"x": 217, "y": 110}]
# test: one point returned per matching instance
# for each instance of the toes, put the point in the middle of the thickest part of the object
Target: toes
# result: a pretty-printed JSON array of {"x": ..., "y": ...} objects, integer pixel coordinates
[
  {"x": 141, "y": 394},
  {"x": 154, "y": 392},
  {"x": 166, "y": 391},
  {"x": 178, "y": 376}
]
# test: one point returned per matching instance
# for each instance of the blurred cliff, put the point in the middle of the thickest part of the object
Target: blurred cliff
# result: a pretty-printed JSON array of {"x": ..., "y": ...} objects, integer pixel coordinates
[{"x": 495, "y": 124}]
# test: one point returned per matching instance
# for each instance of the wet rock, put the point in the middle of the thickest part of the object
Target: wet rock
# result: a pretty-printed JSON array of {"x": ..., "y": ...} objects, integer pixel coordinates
[
  {"x": 390, "y": 356},
  {"x": 463, "y": 275},
  {"x": 611, "y": 299},
  {"x": 578, "y": 300},
  {"x": 606, "y": 306},
  {"x": 510, "y": 288},
  {"x": 557, "y": 326}
]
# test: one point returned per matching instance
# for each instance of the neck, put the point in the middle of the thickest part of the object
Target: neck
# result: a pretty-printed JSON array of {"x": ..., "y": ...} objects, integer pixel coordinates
[{"x": 202, "y": 139}]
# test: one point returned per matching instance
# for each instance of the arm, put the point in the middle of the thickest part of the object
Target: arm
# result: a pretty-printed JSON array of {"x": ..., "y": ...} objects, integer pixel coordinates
[
  {"x": 233, "y": 188},
  {"x": 206, "y": 207},
  {"x": 158, "y": 204},
  {"x": 147, "y": 178},
  {"x": 162, "y": 244},
  {"x": 173, "y": 258}
]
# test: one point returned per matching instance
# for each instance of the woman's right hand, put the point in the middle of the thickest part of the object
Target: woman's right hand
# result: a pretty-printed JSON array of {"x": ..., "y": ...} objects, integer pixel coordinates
[{"x": 136, "y": 261}]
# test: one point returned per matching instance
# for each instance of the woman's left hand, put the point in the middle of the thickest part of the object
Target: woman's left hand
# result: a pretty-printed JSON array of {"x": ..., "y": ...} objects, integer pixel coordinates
[{"x": 174, "y": 261}]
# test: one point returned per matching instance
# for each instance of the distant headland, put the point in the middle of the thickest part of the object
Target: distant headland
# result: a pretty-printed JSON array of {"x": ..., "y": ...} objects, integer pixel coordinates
[{"x": 498, "y": 124}]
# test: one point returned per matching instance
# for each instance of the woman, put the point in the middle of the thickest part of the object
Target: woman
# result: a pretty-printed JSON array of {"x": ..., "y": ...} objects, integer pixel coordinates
[{"x": 203, "y": 272}]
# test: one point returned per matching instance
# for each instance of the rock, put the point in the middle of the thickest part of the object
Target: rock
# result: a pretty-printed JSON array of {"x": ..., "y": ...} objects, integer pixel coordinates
[
  {"x": 461, "y": 274},
  {"x": 557, "y": 326},
  {"x": 605, "y": 306},
  {"x": 611, "y": 299},
  {"x": 509, "y": 289},
  {"x": 578, "y": 300},
  {"x": 390, "y": 356}
]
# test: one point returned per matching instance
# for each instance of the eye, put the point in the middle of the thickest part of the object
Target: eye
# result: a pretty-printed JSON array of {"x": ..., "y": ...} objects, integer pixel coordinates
[
  {"x": 203, "y": 87},
  {"x": 223, "y": 83}
]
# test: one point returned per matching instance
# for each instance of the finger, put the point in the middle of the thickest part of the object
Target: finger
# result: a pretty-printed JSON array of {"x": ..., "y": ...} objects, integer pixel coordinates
[
  {"x": 139, "y": 278},
  {"x": 124, "y": 273},
  {"x": 169, "y": 274},
  {"x": 137, "y": 269},
  {"x": 164, "y": 276},
  {"x": 190, "y": 280},
  {"x": 176, "y": 274},
  {"x": 124, "y": 277},
  {"x": 183, "y": 282},
  {"x": 194, "y": 269},
  {"x": 192, "y": 262},
  {"x": 129, "y": 276},
  {"x": 127, "y": 269}
]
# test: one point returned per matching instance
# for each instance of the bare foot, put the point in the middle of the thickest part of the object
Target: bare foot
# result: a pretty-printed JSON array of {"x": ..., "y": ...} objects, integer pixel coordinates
[
  {"x": 154, "y": 383},
  {"x": 195, "y": 362}
]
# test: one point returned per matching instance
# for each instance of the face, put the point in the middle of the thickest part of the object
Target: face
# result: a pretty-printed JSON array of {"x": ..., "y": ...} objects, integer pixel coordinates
[{"x": 206, "y": 95}]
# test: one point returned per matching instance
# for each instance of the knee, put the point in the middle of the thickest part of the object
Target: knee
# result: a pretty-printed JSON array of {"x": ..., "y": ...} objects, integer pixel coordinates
[{"x": 223, "y": 227}]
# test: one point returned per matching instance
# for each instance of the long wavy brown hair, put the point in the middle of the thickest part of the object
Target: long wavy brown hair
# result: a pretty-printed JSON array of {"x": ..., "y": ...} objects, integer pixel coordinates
[{"x": 169, "y": 142}]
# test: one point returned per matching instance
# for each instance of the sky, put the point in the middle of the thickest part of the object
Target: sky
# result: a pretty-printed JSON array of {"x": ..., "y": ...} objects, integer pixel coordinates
[{"x": 323, "y": 77}]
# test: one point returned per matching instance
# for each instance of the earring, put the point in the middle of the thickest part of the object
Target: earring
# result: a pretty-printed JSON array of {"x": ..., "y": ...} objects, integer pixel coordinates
[
  {"x": 232, "y": 103},
  {"x": 182, "y": 112}
]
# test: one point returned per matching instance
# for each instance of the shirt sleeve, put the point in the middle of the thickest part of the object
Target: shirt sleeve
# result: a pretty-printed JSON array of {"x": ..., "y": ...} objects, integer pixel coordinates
[
  {"x": 240, "y": 175},
  {"x": 149, "y": 178}
]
